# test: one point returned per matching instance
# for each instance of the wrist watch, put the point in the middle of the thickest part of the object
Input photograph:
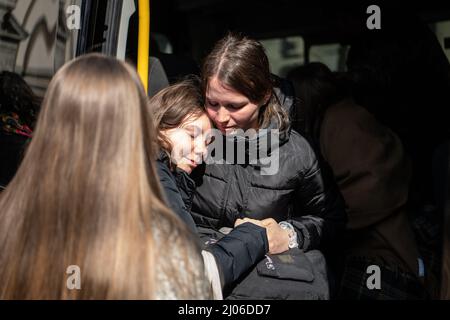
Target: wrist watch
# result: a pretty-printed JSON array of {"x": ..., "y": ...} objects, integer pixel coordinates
[{"x": 293, "y": 243}]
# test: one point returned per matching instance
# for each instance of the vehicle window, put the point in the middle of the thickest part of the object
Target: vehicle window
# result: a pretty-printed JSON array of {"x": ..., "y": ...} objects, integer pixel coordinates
[
  {"x": 442, "y": 31},
  {"x": 333, "y": 55},
  {"x": 284, "y": 53}
]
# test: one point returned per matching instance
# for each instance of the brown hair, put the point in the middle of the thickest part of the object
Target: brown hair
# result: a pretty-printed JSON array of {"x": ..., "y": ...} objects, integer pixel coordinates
[
  {"x": 86, "y": 195},
  {"x": 316, "y": 88},
  {"x": 173, "y": 105},
  {"x": 242, "y": 64}
]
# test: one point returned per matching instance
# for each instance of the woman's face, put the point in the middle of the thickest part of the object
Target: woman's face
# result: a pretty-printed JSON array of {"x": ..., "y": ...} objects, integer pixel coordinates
[
  {"x": 189, "y": 142},
  {"x": 229, "y": 109}
]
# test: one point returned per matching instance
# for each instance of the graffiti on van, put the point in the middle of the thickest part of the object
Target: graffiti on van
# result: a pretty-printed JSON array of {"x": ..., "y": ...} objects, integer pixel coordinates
[{"x": 34, "y": 39}]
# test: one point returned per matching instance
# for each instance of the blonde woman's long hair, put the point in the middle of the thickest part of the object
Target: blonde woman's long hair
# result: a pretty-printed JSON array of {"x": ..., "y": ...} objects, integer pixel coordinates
[{"x": 87, "y": 195}]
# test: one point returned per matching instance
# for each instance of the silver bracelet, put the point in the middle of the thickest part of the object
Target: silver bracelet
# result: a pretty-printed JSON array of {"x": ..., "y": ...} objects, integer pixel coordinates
[{"x": 293, "y": 242}]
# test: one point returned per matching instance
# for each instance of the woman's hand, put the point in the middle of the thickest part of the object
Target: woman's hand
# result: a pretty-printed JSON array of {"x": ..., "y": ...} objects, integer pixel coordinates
[
  {"x": 277, "y": 237},
  {"x": 241, "y": 221}
]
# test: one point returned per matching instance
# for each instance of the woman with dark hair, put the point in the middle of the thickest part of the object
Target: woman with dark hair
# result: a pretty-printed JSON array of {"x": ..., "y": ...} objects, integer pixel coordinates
[
  {"x": 86, "y": 196},
  {"x": 18, "y": 110},
  {"x": 367, "y": 162},
  {"x": 274, "y": 176},
  {"x": 319, "y": 90}
]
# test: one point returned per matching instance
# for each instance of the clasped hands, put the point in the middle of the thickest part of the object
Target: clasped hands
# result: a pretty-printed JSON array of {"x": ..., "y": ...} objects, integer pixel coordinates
[{"x": 277, "y": 237}]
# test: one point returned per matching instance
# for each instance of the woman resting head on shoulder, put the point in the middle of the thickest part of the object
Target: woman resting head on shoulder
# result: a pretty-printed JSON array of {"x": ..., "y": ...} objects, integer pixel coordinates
[
  {"x": 86, "y": 196},
  {"x": 184, "y": 129},
  {"x": 184, "y": 134}
]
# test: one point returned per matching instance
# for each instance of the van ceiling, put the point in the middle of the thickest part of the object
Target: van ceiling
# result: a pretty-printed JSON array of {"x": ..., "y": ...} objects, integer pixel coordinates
[{"x": 317, "y": 21}]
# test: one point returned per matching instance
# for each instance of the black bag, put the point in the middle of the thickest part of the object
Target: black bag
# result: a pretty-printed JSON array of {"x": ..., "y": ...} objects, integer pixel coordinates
[{"x": 293, "y": 275}]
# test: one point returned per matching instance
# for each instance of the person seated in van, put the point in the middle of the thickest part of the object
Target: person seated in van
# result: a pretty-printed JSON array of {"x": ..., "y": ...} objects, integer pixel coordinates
[
  {"x": 395, "y": 73},
  {"x": 183, "y": 136},
  {"x": 367, "y": 162},
  {"x": 402, "y": 76},
  {"x": 18, "y": 111},
  {"x": 85, "y": 200}
]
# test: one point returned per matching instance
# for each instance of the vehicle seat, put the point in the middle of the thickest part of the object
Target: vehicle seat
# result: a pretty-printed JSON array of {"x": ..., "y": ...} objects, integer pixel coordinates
[{"x": 157, "y": 78}]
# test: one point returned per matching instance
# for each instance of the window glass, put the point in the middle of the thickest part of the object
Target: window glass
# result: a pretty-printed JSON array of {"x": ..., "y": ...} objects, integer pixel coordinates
[
  {"x": 442, "y": 30},
  {"x": 333, "y": 55},
  {"x": 284, "y": 53}
]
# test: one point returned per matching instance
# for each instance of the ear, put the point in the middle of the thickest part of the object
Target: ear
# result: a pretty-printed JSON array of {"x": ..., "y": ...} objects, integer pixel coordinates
[{"x": 267, "y": 98}]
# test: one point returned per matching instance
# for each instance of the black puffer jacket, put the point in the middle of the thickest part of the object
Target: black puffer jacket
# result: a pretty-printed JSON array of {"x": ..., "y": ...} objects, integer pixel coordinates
[
  {"x": 234, "y": 253},
  {"x": 296, "y": 193}
]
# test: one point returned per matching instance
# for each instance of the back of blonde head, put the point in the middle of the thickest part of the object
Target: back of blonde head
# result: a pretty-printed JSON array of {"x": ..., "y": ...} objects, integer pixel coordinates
[{"x": 86, "y": 194}]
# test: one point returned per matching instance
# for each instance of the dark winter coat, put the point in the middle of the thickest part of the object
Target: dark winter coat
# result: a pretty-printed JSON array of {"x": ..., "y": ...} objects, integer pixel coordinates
[
  {"x": 236, "y": 252},
  {"x": 294, "y": 193},
  {"x": 372, "y": 172}
]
